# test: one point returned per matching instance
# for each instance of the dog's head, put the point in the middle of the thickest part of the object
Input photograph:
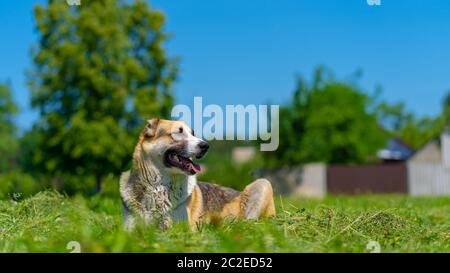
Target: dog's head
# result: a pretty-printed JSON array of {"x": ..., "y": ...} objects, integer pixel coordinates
[{"x": 172, "y": 145}]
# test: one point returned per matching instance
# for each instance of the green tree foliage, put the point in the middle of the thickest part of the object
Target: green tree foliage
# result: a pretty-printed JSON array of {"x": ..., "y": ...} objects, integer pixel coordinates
[
  {"x": 8, "y": 143},
  {"x": 327, "y": 121},
  {"x": 446, "y": 114},
  {"x": 28, "y": 143},
  {"x": 99, "y": 71},
  {"x": 400, "y": 123}
]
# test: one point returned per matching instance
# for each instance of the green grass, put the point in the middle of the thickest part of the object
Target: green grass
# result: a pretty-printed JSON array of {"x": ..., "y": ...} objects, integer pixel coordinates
[{"x": 47, "y": 221}]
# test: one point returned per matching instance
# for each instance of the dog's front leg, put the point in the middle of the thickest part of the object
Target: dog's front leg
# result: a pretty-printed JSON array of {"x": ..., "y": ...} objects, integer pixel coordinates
[{"x": 159, "y": 207}]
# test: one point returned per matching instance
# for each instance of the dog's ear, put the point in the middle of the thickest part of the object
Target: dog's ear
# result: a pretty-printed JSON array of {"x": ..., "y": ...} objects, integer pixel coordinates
[{"x": 150, "y": 128}]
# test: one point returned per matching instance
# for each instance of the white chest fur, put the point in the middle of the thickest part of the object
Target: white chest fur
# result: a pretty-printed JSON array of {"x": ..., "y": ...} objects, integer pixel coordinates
[{"x": 181, "y": 189}]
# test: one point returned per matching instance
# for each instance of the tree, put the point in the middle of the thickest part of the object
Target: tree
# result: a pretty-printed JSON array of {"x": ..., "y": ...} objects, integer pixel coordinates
[
  {"x": 99, "y": 71},
  {"x": 8, "y": 142},
  {"x": 28, "y": 142},
  {"x": 393, "y": 117},
  {"x": 400, "y": 123},
  {"x": 446, "y": 114},
  {"x": 327, "y": 121}
]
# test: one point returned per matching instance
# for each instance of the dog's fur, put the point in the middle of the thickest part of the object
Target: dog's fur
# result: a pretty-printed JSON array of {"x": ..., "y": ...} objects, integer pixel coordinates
[{"x": 157, "y": 191}]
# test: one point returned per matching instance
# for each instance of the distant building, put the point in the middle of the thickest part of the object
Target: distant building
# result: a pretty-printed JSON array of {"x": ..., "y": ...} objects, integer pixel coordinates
[
  {"x": 401, "y": 170},
  {"x": 395, "y": 150},
  {"x": 429, "y": 168},
  {"x": 309, "y": 180},
  {"x": 243, "y": 154}
]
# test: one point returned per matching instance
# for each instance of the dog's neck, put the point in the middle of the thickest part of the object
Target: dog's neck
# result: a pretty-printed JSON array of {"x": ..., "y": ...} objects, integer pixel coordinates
[{"x": 179, "y": 186}]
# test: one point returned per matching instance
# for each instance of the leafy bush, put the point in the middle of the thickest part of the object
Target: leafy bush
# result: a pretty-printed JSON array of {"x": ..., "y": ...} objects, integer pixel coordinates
[{"x": 17, "y": 185}]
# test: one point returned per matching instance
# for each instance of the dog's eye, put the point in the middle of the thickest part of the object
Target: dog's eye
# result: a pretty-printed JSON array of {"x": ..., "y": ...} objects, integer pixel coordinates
[{"x": 180, "y": 130}]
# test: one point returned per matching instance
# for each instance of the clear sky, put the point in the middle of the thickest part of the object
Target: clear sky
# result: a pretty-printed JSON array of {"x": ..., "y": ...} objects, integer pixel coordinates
[{"x": 248, "y": 52}]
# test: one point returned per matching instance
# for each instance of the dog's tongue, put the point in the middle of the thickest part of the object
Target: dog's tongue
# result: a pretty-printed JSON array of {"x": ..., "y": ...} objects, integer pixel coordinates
[
  {"x": 196, "y": 168},
  {"x": 190, "y": 166}
]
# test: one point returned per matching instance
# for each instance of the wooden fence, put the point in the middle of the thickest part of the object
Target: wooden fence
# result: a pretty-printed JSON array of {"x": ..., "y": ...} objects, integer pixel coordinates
[
  {"x": 383, "y": 178},
  {"x": 428, "y": 179},
  {"x": 317, "y": 180}
]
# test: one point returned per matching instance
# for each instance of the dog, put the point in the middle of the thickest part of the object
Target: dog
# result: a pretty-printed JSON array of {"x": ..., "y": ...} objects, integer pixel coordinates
[{"x": 161, "y": 185}]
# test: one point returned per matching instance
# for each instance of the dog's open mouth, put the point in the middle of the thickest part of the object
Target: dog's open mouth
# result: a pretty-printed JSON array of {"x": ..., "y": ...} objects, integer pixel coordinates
[{"x": 183, "y": 163}]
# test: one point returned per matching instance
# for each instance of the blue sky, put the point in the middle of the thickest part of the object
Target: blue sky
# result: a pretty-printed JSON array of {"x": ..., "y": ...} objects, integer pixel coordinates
[{"x": 248, "y": 52}]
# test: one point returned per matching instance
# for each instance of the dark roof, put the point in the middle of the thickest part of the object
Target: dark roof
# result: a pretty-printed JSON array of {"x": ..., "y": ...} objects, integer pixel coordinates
[{"x": 396, "y": 150}]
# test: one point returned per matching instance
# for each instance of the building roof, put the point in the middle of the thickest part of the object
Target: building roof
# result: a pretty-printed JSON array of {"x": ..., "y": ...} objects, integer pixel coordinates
[
  {"x": 396, "y": 150},
  {"x": 436, "y": 150}
]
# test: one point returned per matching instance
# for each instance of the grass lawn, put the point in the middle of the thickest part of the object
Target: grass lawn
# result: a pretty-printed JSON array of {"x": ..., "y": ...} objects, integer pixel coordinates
[{"x": 48, "y": 221}]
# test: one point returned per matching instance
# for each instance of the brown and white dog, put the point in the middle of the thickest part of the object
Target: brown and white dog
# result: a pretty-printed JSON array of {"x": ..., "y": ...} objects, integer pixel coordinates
[{"x": 162, "y": 187}]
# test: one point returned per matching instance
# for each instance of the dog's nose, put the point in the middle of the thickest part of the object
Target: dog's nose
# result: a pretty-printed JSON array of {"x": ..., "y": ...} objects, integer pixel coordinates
[{"x": 204, "y": 146}]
